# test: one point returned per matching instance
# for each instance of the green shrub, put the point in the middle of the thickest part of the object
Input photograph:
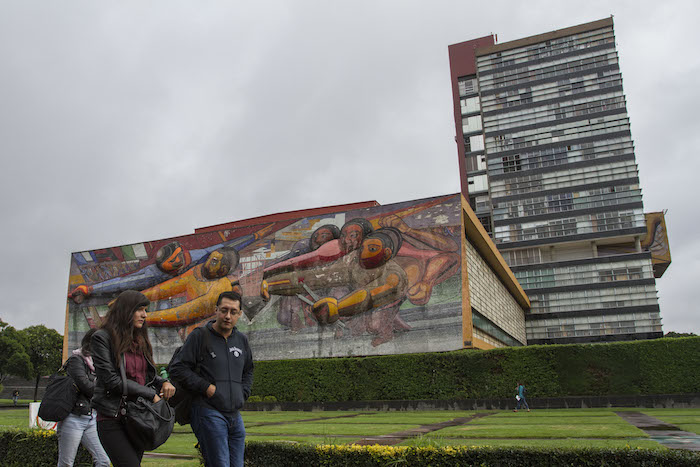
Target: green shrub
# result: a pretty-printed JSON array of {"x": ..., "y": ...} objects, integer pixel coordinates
[
  {"x": 269, "y": 399},
  {"x": 35, "y": 448},
  {"x": 259, "y": 454},
  {"x": 254, "y": 399},
  {"x": 660, "y": 366}
]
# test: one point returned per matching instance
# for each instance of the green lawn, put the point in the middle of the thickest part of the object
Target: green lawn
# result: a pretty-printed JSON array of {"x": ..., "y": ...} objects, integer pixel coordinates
[
  {"x": 561, "y": 430},
  {"x": 539, "y": 428},
  {"x": 255, "y": 417},
  {"x": 526, "y": 419},
  {"x": 14, "y": 418},
  {"x": 330, "y": 429}
]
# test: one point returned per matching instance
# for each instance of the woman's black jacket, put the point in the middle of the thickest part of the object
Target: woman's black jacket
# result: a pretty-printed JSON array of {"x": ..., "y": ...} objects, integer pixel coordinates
[
  {"x": 108, "y": 390},
  {"x": 85, "y": 380}
]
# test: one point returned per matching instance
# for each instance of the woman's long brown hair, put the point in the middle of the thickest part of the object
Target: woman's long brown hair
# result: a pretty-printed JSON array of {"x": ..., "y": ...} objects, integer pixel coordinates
[{"x": 119, "y": 324}]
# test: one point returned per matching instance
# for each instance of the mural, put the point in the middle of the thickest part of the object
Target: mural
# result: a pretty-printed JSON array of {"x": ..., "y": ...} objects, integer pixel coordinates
[
  {"x": 656, "y": 241},
  {"x": 370, "y": 281}
]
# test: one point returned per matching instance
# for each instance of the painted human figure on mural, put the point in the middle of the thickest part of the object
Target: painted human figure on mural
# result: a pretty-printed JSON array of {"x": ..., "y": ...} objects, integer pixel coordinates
[
  {"x": 293, "y": 313},
  {"x": 427, "y": 257},
  {"x": 372, "y": 279},
  {"x": 171, "y": 260},
  {"x": 200, "y": 287},
  {"x": 326, "y": 244}
]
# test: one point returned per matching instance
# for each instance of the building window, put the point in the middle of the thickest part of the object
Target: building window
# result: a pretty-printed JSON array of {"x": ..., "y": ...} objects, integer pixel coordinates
[
  {"x": 467, "y": 86},
  {"x": 511, "y": 163},
  {"x": 470, "y": 105},
  {"x": 471, "y": 124}
]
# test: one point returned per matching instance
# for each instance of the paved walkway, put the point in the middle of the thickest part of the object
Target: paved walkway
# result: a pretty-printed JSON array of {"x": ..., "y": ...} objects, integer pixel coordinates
[
  {"x": 395, "y": 438},
  {"x": 666, "y": 434}
]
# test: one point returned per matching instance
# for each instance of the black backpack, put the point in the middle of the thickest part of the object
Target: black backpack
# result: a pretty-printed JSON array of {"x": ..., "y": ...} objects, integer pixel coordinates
[
  {"x": 182, "y": 400},
  {"x": 59, "y": 397}
]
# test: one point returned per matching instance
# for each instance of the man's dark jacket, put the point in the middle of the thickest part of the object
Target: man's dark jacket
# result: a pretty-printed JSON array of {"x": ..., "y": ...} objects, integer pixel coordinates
[
  {"x": 227, "y": 364},
  {"x": 108, "y": 390}
]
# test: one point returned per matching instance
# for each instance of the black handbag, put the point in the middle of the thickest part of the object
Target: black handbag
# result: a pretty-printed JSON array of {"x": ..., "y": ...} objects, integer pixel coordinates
[
  {"x": 59, "y": 398},
  {"x": 148, "y": 424}
]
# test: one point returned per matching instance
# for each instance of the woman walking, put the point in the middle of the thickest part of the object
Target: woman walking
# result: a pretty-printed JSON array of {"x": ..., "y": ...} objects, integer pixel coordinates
[
  {"x": 80, "y": 426},
  {"x": 124, "y": 333}
]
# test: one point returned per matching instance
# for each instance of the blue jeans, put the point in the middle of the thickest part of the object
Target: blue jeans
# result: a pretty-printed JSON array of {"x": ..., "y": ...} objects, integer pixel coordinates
[
  {"x": 221, "y": 437},
  {"x": 523, "y": 402},
  {"x": 76, "y": 429}
]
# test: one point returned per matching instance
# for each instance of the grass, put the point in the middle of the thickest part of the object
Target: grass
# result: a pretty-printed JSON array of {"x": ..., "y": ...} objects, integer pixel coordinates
[
  {"x": 14, "y": 418},
  {"x": 330, "y": 429},
  {"x": 539, "y": 428},
  {"x": 562, "y": 430}
]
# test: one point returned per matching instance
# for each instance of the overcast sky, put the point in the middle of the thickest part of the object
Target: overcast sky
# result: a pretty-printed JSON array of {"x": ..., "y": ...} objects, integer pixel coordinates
[{"x": 122, "y": 122}]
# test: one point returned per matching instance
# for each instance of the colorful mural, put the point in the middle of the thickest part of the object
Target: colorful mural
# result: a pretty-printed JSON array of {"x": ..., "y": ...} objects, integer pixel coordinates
[
  {"x": 369, "y": 281},
  {"x": 656, "y": 241}
]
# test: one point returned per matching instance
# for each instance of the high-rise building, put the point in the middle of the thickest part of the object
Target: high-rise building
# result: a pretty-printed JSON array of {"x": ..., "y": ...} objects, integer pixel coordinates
[{"x": 547, "y": 163}]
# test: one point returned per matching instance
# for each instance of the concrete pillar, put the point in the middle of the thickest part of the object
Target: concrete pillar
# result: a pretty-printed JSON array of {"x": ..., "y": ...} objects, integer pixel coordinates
[
  {"x": 638, "y": 244},
  {"x": 594, "y": 249}
]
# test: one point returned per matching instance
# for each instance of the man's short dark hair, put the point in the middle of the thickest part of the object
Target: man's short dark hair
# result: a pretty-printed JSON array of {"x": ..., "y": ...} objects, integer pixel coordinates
[{"x": 235, "y": 296}]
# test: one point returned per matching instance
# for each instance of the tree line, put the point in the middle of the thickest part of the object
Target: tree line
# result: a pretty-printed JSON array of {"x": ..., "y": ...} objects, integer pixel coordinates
[{"x": 29, "y": 353}]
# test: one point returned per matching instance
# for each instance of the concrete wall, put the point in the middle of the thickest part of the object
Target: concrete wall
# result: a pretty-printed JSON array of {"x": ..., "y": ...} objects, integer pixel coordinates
[
  {"x": 493, "y": 300},
  {"x": 403, "y": 296}
]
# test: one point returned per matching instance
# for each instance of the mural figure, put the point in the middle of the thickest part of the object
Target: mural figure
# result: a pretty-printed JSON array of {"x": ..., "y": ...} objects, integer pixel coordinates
[
  {"x": 291, "y": 309},
  {"x": 427, "y": 257},
  {"x": 201, "y": 287},
  {"x": 369, "y": 274},
  {"x": 172, "y": 259}
]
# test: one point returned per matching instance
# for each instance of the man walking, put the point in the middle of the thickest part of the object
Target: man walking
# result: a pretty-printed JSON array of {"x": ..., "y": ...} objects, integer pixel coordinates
[
  {"x": 521, "y": 397},
  {"x": 220, "y": 382}
]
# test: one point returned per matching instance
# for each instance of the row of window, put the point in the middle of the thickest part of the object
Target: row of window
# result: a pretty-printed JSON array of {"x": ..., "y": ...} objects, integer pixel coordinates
[
  {"x": 558, "y": 111},
  {"x": 565, "y": 178},
  {"x": 565, "y": 87},
  {"x": 585, "y": 274},
  {"x": 550, "y": 48},
  {"x": 589, "y": 223},
  {"x": 614, "y": 297},
  {"x": 560, "y": 155},
  {"x": 582, "y": 128},
  {"x": 597, "y": 321},
  {"x": 554, "y": 333},
  {"x": 561, "y": 202},
  {"x": 549, "y": 70}
]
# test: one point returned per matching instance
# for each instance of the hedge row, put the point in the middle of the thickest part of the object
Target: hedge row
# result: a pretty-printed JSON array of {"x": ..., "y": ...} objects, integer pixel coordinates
[
  {"x": 660, "y": 366},
  {"x": 21, "y": 448},
  {"x": 259, "y": 454}
]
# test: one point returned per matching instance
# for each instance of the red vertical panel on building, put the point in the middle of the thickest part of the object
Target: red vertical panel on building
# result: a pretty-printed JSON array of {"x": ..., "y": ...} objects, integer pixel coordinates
[{"x": 463, "y": 63}]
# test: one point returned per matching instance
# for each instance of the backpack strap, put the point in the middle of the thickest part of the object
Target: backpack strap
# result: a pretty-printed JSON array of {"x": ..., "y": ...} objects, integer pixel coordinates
[{"x": 204, "y": 348}]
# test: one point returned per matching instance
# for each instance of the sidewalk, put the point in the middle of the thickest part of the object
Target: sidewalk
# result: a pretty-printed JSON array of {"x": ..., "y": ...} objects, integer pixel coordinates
[{"x": 668, "y": 435}]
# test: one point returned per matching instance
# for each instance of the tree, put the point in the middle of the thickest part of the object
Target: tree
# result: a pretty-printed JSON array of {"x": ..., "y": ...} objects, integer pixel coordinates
[
  {"x": 14, "y": 359},
  {"x": 679, "y": 334},
  {"x": 45, "y": 348}
]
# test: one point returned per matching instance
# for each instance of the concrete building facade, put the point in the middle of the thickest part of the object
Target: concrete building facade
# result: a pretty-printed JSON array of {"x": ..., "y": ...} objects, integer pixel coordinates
[{"x": 547, "y": 163}]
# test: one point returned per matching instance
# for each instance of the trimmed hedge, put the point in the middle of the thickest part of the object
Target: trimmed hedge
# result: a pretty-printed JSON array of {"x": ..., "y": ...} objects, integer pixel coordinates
[
  {"x": 660, "y": 366},
  {"x": 21, "y": 448},
  {"x": 260, "y": 454}
]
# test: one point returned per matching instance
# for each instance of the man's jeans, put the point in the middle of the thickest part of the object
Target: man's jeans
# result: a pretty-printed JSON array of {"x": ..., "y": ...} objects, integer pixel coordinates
[
  {"x": 522, "y": 401},
  {"x": 75, "y": 429},
  {"x": 221, "y": 437}
]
